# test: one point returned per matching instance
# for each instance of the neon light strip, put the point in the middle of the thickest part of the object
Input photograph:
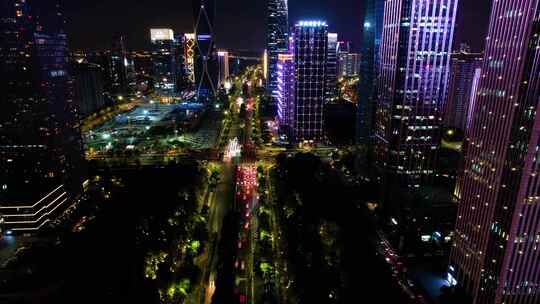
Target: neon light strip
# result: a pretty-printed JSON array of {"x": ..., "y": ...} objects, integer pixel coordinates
[
  {"x": 34, "y": 205},
  {"x": 39, "y": 219},
  {"x": 31, "y": 229},
  {"x": 37, "y": 212}
]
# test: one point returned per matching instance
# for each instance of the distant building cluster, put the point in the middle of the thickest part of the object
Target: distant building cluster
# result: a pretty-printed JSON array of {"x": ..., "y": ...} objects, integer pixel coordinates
[
  {"x": 48, "y": 91},
  {"x": 303, "y": 73},
  {"x": 348, "y": 61},
  {"x": 304, "y": 67}
]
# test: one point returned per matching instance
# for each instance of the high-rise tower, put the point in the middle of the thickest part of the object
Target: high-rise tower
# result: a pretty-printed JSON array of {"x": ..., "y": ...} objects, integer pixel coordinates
[
  {"x": 206, "y": 71},
  {"x": 332, "y": 67},
  {"x": 223, "y": 60},
  {"x": 496, "y": 253},
  {"x": 371, "y": 43},
  {"x": 164, "y": 60},
  {"x": 348, "y": 64},
  {"x": 41, "y": 161},
  {"x": 412, "y": 86},
  {"x": 286, "y": 94},
  {"x": 118, "y": 83},
  {"x": 190, "y": 44},
  {"x": 310, "y": 60},
  {"x": 276, "y": 39},
  {"x": 463, "y": 69}
]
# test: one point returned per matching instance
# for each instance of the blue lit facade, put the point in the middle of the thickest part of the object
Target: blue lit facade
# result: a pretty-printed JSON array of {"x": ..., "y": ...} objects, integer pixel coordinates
[{"x": 310, "y": 59}]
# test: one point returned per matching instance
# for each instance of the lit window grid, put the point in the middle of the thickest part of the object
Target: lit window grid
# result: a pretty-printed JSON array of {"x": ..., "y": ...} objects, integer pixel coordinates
[
  {"x": 310, "y": 55},
  {"x": 276, "y": 39},
  {"x": 413, "y": 74},
  {"x": 497, "y": 231},
  {"x": 286, "y": 92}
]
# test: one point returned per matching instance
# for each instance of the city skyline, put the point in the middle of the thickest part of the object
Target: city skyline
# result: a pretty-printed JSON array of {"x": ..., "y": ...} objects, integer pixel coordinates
[
  {"x": 343, "y": 16},
  {"x": 280, "y": 151}
]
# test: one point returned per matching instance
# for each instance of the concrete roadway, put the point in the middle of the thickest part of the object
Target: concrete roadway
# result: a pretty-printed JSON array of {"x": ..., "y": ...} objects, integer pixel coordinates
[{"x": 220, "y": 203}]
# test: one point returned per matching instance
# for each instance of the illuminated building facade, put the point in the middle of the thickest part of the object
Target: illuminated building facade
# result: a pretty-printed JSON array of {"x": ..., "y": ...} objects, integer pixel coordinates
[
  {"x": 412, "y": 86},
  {"x": 310, "y": 59},
  {"x": 286, "y": 94},
  {"x": 473, "y": 98},
  {"x": 348, "y": 64},
  {"x": 344, "y": 47},
  {"x": 496, "y": 245},
  {"x": 332, "y": 67},
  {"x": 463, "y": 70},
  {"x": 223, "y": 63},
  {"x": 41, "y": 162},
  {"x": 190, "y": 44},
  {"x": 206, "y": 72},
  {"x": 165, "y": 63},
  {"x": 371, "y": 43},
  {"x": 277, "y": 36},
  {"x": 265, "y": 64},
  {"x": 118, "y": 83}
]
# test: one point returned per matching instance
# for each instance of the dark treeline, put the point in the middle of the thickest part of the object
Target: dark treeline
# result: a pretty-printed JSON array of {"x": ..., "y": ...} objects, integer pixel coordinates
[{"x": 329, "y": 234}]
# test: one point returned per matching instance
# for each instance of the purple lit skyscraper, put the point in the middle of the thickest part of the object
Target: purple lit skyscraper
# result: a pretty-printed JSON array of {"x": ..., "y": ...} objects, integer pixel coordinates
[
  {"x": 496, "y": 253},
  {"x": 285, "y": 93},
  {"x": 412, "y": 86}
]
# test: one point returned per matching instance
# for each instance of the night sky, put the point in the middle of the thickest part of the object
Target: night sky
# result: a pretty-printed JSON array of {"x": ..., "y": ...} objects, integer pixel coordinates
[{"x": 240, "y": 24}]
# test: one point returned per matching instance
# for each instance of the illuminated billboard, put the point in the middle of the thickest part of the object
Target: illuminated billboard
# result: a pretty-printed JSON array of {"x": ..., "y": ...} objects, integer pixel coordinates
[{"x": 161, "y": 34}]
